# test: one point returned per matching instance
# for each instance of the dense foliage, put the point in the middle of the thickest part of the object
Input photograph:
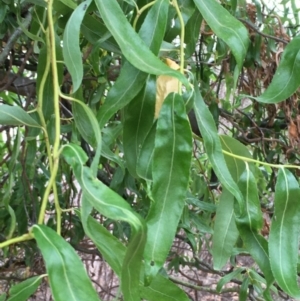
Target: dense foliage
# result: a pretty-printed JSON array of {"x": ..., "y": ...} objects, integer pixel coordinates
[{"x": 130, "y": 129}]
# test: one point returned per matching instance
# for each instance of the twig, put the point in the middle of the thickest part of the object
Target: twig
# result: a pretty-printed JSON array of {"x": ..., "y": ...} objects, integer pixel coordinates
[
  {"x": 250, "y": 24},
  {"x": 10, "y": 43}
]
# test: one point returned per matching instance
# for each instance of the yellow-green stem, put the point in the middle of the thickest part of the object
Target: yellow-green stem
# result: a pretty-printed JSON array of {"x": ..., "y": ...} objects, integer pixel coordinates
[
  {"x": 140, "y": 11},
  {"x": 245, "y": 159},
  {"x": 11, "y": 241},
  {"x": 55, "y": 150},
  {"x": 182, "y": 37}
]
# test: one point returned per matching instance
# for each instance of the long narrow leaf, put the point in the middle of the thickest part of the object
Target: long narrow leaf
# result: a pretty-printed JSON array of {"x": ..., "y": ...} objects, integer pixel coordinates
[
  {"x": 71, "y": 49},
  {"x": 113, "y": 206},
  {"x": 287, "y": 76},
  {"x": 67, "y": 275},
  {"x": 226, "y": 27},
  {"x": 284, "y": 233},
  {"x": 213, "y": 146},
  {"x": 131, "y": 79},
  {"x": 138, "y": 121},
  {"x": 13, "y": 115},
  {"x": 171, "y": 167},
  {"x": 132, "y": 46},
  {"x": 22, "y": 291},
  {"x": 225, "y": 231}
]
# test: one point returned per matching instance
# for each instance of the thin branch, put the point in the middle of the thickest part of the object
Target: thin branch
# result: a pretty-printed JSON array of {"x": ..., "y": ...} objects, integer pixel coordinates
[{"x": 250, "y": 24}]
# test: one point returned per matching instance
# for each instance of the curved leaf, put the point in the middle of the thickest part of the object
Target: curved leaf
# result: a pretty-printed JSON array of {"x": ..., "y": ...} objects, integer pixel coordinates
[
  {"x": 13, "y": 115},
  {"x": 67, "y": 275},
  {"x": 132, "y": 46},
  {"x": 213, "y": 147},
  {"x": 22, "y": 291},
  {"x": 131, "y": 79},
  {"x": 226, "y": 27},
  {"x": 138, "y": 119},
  {"x": 113, "y": 206},
  {"x": 71, "y": 49},
  {"x": 252, "y": 215},
  {"x": 171, "y": 168},
  {"x": 225, "y": 231},
  {"x": 284, "y": 233},
  {"x": 287, "y": 76},
  {"x": 145, "y": 158}
]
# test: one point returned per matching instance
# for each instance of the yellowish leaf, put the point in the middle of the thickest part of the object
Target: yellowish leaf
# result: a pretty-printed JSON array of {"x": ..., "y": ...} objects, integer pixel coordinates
[{"x": 165, "y": 85}]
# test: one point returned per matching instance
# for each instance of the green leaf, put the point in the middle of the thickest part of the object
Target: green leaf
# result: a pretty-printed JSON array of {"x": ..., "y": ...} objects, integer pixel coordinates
[
  {"x": 171, "y": 168},
  {"x": 228, "y": 278},
  {"x": 112, "y": 250},
  {"x": 131, "y": 80},
  {"x": 226, "y": 27},
  {"x": 257, "y": 246},
  {"x": 71, "y": 49},
  {"x": 86, "y": 123},
  {"x": 284, "y": 233},
  {"x": 225, "y": 231},
  {"x": 132, "y": 46},
  {"x": 146, "y": 153},
  {"x": 287, "y": 76},
  {"x": 243, "y": 294},
  {"x": 138, "y": 119},
  {"x": 213, "y": 147},
  {"x": 22, "y": 291},
  {"x": 3, "y": 297},
  {"x": 113, "y": 206},
  {"x": 162, "y": 289},
  {"x": 235, "y": 165},
  {"x": 13, "y": 115},
  {"x": 67, "y": 275},
  {"x": 252, "y": 215}
]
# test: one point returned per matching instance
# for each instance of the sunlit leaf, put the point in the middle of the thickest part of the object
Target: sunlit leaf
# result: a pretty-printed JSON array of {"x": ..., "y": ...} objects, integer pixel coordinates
[
  {"x": 284, "y": 233},
  {"x": 67, "y": 275},
  {"x": 171, "y": 164}
]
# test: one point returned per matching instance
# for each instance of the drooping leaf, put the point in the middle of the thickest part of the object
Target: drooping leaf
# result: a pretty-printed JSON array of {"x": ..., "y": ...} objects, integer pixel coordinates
[
  {"x": 131, "y": 79},
  {"x": 67, "y": 275},
  {"x": 112, "y": 250},
  {"x": 257, "y": 246},
  {"x": 252, "y": 215},
  {"x": 145, "y": 158},
  {"x": 13, "y": 115},
  {"x": 225, "y": 231},
  {"x": 226, "y": 27},
  {"x": 213, "y": 146},
  {"x": 86, "y": 123},
  {"x": 284, "y": 233},
  {"x": 132, "y": 46},
  {"x": 23, "y": 290},
  {"x": 113, "y": 206},
  {"x": 287, "y": 76},
  {"x": 138, "y": 119},
  {"x": 171, "y": 164},
  {"x": 236, "y": 166},
  {"x": 71, "y": 49}
]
